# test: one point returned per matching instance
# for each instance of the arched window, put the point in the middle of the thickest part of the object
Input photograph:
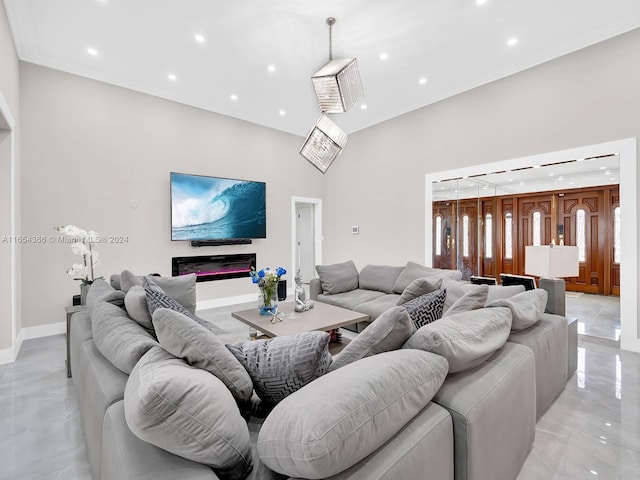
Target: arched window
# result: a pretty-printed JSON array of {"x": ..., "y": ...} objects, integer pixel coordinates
[
  {"x": 465, "y": 236},
  {"x": 508, "y": 245},
  {"x": 616, "y": 235},
  {"x": 537, "y": 230},
  {"x": 488, "y": 238},
  {"x": 438, "y": 235},
  {"x": 581, "y": 240}
]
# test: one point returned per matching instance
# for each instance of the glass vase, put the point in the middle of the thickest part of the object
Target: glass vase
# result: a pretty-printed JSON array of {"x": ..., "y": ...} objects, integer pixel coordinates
[{"x": 268, "y": 302}]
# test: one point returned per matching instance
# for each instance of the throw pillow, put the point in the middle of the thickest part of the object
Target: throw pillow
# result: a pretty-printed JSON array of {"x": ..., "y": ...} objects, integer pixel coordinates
[
  {"x": 120, "y": 339},
  {"x": 413, "y": 270},
  {"x": 426, "y": 308},
  {"x": 498, "y": 292},
  {"x": 136, "y": 304},
  {"x": 466, "y": 339},
  {"x": 388, "y": 332},
  {"x": 101, "y": 291},
  {"x": 182, "y": 289},
  {"x": 418, "y": 287},
  {"x": 464, "y": 296},
  {"x": 279, "y": 366},
  {"x": 344, "y": 416},
  {"x": 526, "y": 308},
  {"x": 188, "y": 412},
  {"x": 179, "y": 335},
  {"x": 338, "y": 278}
]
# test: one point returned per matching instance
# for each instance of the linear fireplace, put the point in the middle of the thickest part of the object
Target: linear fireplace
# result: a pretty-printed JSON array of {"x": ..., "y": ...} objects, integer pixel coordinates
[{"x": 214, "y": 267}]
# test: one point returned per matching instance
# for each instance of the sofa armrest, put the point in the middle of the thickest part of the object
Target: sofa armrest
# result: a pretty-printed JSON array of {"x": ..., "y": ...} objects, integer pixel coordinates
[{"x": 315, "y": 288}]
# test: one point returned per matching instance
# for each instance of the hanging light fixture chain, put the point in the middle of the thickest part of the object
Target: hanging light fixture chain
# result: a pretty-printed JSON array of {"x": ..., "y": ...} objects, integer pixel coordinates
[{"x": 330, "y": 22}]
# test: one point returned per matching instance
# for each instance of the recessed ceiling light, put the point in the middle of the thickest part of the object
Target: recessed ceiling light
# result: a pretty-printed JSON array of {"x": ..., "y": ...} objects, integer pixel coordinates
[
  {"x": 384, "y": 56},
  {"x": 512, "y": 41},
  {"x": 422, "y": 81},
  {"x": 607, "y": 172},
  {"x": 521, "y": 183},
  {"x": 611, "y": 179},
  {"x": 603, "y": 168},
  {"x": 551, "y": 174},
  {"x": 560, "y": 179},
  {"x": 363, "y": 106},
  {"x": 92, "y": 51},
  {"x": 511, "y": 180},
  {"x": 172, "y": 77},
  {"x": 282, "y": 113},
  {"x": 199, "y": 38},
  {"x": 481, "y": 2},
  {"x": 571, "y": 183},
  {"x": 233, "y": 97},
  {"x": 593, "y": 472},
  {"x": 271, "y": 68}
]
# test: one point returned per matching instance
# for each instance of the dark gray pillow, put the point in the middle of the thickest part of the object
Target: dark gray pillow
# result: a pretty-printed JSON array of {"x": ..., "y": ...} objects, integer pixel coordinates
[
  {"x": 419, "y": 287},
  {"x": 379, "y": 277},
  {"x": 183, "y": 338},
  {"x": 388, "y": 332},
  {"x": 338, "y": 278},
  {"x": 120, "y": 339},
  {"x": 188, "y": 412},
  {"x": 426, "y": 308},
  {"x": 279, "y": 366},
  {"x": 182, "y": 289}
]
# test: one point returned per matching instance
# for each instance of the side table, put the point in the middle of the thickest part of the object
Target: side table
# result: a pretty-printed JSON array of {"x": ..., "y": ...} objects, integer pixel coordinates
[{"x": 70, "y": 311}]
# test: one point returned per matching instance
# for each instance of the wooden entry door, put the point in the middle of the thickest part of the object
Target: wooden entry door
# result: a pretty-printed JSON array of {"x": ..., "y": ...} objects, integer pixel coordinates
[
  {"x": 534, "y": 225},
  {"x": 444, "y": 253},
  {"x": 583, "y": 214},
  {"x": 467, "y": 233}
]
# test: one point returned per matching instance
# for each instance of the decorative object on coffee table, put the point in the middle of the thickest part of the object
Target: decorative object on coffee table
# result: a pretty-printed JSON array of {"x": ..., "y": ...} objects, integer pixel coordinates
[
  {"x": 301, "y": 303},
  {"x": 82, "y": 242},
  {"x": 267, "y": 281}
]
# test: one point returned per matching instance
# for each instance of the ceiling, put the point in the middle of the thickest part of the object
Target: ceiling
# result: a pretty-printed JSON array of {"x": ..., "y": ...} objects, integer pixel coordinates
[
  {"x": 575, "y": 173},
  {"x": 453, "y": 45}
]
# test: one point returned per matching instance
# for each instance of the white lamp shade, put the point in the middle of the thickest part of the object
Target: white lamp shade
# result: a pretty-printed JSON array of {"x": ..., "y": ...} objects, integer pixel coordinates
[
  {"x": 551, "y": 262},
  {"x": 337, "y": 85}
]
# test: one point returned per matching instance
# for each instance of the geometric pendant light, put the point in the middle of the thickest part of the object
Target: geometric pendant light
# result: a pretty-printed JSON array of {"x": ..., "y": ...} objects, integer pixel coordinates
[
  {"x": 337, "y": 84},
  {"x": 338, "y": 87},
  {"x": 323, "y": 144}
]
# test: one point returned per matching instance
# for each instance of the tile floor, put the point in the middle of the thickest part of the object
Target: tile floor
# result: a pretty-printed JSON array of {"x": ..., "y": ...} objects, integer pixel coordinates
[
  {"x": 598, "y": 316},
  {"x": 591, "y": 431}
]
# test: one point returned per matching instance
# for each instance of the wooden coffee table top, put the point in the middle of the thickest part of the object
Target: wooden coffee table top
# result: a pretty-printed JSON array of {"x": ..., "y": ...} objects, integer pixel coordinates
[{"x": 321, "y": 317}]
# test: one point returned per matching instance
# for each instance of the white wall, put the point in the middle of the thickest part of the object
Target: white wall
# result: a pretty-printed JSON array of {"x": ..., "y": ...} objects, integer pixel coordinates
[
  {"x": 91, "y": 150},
  {"x": 586, "y": 98},
  {"x": 9, "y": 205}
]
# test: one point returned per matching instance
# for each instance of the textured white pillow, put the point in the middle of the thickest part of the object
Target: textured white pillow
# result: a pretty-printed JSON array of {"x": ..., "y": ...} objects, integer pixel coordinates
[{"x": 344, "y": 416}]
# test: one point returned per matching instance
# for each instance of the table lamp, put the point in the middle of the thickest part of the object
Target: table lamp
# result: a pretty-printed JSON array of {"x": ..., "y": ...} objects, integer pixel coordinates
[{"x": 551, "y": 264}]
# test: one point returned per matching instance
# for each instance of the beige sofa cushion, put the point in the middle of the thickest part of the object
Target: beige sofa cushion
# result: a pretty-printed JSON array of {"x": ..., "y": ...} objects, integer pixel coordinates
[
  {"x": 526, "y": 308},
  {"x": 413, "y": 270}
]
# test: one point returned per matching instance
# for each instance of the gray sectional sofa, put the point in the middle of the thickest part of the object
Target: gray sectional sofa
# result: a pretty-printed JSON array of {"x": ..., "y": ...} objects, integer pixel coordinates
[{"x": 400, "y": 414}]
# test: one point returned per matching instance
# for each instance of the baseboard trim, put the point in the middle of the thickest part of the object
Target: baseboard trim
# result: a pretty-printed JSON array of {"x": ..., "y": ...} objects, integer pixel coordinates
[
  {"x": 6, "y": 356},
  {"x": 225, "y": 302},
  {"x": 40, "y": 331}
]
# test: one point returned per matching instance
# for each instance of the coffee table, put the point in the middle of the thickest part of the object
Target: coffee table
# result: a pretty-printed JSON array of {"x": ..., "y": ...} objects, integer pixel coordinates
[{"x": 321, "y": 317}]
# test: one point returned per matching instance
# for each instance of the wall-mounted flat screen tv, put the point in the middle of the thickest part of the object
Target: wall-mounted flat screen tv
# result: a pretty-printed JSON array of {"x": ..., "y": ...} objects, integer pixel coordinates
[{"x": 214, "y": 208}]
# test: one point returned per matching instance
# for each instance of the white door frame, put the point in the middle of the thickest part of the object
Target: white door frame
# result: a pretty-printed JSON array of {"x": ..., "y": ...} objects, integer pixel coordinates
[
  {"x": 9, "y": 355},
  {"x": 627, "y": 149},
  {"x": 317, "y": 227}
]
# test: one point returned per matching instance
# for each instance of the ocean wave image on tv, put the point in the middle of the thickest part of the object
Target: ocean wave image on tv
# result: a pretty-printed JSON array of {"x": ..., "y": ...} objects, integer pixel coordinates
[{"x": 210, "y": 208}]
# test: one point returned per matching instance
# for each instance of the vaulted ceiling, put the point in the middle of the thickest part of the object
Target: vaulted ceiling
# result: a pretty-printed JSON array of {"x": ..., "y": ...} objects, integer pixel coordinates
[{"x": 253, "y": 59}]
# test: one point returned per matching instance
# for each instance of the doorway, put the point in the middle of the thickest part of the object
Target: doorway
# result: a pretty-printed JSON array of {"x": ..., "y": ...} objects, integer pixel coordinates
[
  {"x": 9, "y": 345},
  {"x": 628, "y": 272},
  {"x": 306, "y": 227}
]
